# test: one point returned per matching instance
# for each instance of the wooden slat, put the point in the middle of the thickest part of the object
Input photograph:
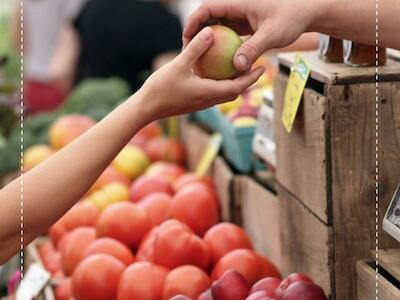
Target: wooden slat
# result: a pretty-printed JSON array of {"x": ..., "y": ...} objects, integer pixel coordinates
[
  {"x": 390, "y": 260},
  {"x": 301, "y": 154},
  {"x": 340, "y": 73},
  {"x": 353, "y": 172},
  {"x": 196, "y": 141},
  {"x": 366, "y": 284},
  {"x": 306, "y": 242},
  {"x": 223, "y": 180},
  {"x": 260, "y": 218}
]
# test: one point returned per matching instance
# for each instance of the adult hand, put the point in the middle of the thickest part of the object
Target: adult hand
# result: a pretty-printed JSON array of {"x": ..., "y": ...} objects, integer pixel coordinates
[
  {"x": 272, "y": 23},
  {"x": 175, "y": 89}
]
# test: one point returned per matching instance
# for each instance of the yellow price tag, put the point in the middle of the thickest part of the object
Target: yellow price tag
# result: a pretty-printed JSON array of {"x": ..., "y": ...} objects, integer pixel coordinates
[
  {"x": 173, "y": 127},
  {"x": 298, "y": 77},
  {"x": 209, "y": 154}
]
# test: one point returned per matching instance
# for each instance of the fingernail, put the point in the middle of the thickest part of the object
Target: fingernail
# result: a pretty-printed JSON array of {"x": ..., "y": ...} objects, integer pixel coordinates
[
  {"x": 206, "y": 34},
  {"x": 243, "y": 61}
]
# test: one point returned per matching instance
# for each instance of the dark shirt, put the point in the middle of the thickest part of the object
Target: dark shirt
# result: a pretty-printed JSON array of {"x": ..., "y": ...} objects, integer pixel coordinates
[{"x": 122, "y": 37}]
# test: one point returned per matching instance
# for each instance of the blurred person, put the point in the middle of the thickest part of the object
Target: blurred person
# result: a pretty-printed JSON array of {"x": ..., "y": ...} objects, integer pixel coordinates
[
  {"x": 124, "y": 38},
  {"x": 43, "y": 20}
]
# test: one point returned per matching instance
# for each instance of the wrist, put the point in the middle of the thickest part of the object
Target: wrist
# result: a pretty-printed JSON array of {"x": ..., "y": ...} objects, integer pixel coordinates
[
  {"x": 140, "y": 104},
  {"x": 319, "y": 11}
]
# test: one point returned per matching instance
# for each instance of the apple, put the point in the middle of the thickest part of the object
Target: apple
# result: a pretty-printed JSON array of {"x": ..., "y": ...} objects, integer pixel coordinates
[
  {"x": 268, "y": 285},
  {"x": 217, "y": 62},
  {"x": 231, "y": 286},
  {"x": 146, "y": 185},
  {"x": 302, "y": 290},
  {"x": 165, "y": 170},
  {"x": 260, "y": 295},
  {"x": 180, "y": 297},
  {"x": 292, "y": 278}
]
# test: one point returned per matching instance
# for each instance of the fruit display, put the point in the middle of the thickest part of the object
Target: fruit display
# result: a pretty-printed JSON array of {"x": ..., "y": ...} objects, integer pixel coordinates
[{"x": 149, "y": 229}]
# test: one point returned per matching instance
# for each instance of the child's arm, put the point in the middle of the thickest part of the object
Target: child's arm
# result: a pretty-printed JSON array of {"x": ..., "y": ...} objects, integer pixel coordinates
[{"x": 53, "y": 187}]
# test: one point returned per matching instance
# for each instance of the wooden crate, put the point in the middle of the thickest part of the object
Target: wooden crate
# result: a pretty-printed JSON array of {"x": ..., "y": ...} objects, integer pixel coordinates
[
  {"x": 368, "y": 280},
  {"x": 306, "y": 242},
  {"x": 328, "y": 160},
  {"x": 259, "y": 209},
  {"x": 196, "y": 140}
]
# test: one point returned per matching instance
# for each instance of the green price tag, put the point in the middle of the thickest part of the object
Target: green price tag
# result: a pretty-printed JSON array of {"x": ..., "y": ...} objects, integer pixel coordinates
[{"x": 298, "y": 77}]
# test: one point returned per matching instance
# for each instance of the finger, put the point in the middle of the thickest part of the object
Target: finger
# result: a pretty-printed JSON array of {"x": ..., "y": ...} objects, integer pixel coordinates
[
  {"x": 232, "y": 88},
  {"x": 198, "y": 46},
  {"x": 252, "y": 49},
  {"x": 208, "y": 11}
]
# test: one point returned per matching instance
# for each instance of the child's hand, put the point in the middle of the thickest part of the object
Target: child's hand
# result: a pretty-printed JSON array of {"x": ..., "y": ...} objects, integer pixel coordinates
[{"x": 175, "y": 89}]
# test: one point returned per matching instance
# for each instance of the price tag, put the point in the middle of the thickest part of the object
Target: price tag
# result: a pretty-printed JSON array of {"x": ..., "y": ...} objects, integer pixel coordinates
[
  {"x": 34, "y": 281},
  {"x": 298, "y": 77},
  {"x": 209, "y": 154},
  {"x": 173, "y": 127}
]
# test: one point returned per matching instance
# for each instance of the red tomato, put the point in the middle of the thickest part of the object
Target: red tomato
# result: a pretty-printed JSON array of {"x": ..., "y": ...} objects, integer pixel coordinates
[
  {"x": 142, "y": 280},
  {"x": 166, "y": 149},
  {"x": 146, "y": 185},
  {"x": 189, "y": 281},
  {"x": 176, "y": 245},
  {"x": 50, "y": 257},
  {"x": 165, "y": 170},
  {"x": 110, "y": 175},
  {"x": 225, "y": 237},
  {"x": 57, "y": 231},
  {"x": 195, "y": 205},
  {"x": 63, "y": 290},
  {"x": 146, "y": 248},
  {"x": 111, "y": 247},
  {"x": 76, "y": 243},
  {"x": 190, "y": 178},
  {"x": 157, "y": 206},
  {"x": 97, "y": 277},
  {"x": 250, "y": 264},
  {"x": 81, "y": 214},
  {"x": 125, "y": 222}
]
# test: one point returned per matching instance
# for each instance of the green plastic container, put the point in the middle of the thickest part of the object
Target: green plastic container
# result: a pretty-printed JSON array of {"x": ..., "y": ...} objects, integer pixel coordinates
[
  {"x": 209, "y": 117},
  {"x": 237, "y": 145}
]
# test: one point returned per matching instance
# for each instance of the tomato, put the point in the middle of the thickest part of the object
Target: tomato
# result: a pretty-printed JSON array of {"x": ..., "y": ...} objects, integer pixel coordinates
[
  {"x": 225, "y": 237},
  {"x": 125, "y": 222},
  {"x": 166, "y": 149},
  {"x": 63, "y": 289},
  {"x": 157, "y": 206},
  {"x": 111, "y": 247},
  {"x": 146, "y": 185},
  {"x": 142, "y": 281},
  {"x": 176, "y": 245},
  {"x": 81, "y": 214},
  {"x": 57, "y": 231},
  {"x": 186, "y": 280},
  {"x": 76, "y": 243},
  {"x": 110, "y": 175},
  {"x": 195, "y": 205},
  {"x": 188, "y": 178},
  {"x": 50, "y": 257},
  {"x": 165, "y": 170},
  {"x": 250, "y": 264},
  {"x": 97, "y": 277},
  {"x": 146, "y": 248}
]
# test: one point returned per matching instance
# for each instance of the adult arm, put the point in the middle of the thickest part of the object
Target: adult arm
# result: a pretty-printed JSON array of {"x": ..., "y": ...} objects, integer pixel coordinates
[
  {"x": 53, "y": 187},
  {"x": 276, "y": 23}
]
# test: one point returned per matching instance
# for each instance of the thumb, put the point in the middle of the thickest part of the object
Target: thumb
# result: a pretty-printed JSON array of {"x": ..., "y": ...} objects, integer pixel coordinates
[
  {"x": 251, "y": 49},
  {"x": 199, "y": 44}
]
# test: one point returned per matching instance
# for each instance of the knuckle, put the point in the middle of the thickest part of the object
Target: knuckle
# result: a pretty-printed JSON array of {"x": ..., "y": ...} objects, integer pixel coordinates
[{"x": 251, "y": 49}]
